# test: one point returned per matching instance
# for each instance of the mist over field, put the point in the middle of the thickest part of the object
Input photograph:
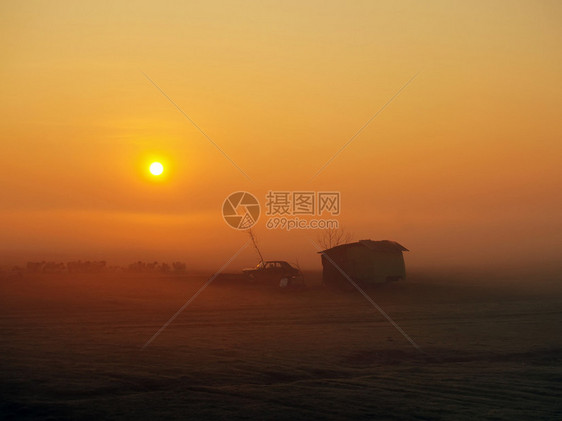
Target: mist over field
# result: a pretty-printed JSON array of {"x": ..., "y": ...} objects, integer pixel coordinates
[
  {"x": 72, "y": 348},
  {"x": 281, "y": 210}
]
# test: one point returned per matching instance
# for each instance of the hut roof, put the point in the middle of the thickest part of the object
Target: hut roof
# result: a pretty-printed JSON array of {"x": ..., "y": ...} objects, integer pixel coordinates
[{"x": 383, "y": 245}]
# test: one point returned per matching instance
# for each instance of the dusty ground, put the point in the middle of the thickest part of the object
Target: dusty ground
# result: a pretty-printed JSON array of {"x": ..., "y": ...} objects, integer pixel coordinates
[{"x": 71, "y": 348}]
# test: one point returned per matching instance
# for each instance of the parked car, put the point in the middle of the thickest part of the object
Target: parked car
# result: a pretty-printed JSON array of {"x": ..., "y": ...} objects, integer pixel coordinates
[{"x": 274, "y": 271}]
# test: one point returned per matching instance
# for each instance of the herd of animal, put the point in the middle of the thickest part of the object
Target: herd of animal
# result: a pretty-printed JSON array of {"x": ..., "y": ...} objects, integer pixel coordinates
[{"x": 88, "y": 266}]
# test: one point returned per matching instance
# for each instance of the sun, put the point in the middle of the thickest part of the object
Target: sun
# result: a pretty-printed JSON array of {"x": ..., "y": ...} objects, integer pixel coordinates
[{"x": 156, "y": 168}]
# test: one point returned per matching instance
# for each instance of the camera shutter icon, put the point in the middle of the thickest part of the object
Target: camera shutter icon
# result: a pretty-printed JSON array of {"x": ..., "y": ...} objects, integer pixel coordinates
[{"x": 241, "y": 210}]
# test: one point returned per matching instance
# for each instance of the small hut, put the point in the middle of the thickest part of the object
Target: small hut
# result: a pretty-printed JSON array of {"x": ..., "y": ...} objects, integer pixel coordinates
[{"x": 364, "y": 261}]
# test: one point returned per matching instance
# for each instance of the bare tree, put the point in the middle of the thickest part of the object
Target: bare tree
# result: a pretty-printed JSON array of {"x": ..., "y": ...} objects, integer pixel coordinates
[
  {"x": 255, "y": 243},
  {"x": 332, "y": 237}
]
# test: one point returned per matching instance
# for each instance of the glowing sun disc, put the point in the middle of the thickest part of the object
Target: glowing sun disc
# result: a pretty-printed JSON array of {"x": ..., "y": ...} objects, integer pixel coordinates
[{"x": 156, "y": 168}]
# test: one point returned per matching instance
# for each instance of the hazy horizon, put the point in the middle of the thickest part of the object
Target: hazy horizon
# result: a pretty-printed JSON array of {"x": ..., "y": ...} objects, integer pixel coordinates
[{"x": 462, "y": 168}]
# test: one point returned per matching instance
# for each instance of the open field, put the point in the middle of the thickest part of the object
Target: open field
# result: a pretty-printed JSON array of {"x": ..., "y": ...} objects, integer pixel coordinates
[{"x": 71, "y": 349}]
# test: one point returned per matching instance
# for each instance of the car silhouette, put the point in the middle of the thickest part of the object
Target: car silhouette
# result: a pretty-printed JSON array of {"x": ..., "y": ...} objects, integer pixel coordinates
[{"x": 274, "y": 271}]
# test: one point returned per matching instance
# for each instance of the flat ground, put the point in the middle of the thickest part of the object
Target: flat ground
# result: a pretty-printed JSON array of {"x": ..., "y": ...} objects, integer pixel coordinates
[{"x": 70, "y": 348}]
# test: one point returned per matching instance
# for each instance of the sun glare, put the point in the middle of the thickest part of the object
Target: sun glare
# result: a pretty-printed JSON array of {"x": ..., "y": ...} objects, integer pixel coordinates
[{"x": 156, "y": 168}]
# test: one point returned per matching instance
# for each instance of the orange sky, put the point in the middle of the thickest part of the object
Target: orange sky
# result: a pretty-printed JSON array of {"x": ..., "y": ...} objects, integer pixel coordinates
[{"x": 463, "y": 167}]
